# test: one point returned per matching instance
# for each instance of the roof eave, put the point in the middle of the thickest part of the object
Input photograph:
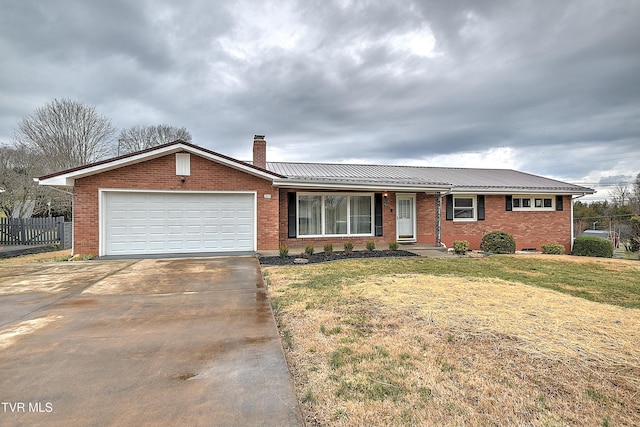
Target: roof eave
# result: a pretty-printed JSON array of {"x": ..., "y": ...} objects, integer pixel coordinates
[
  {"x": 522, "y": 190},
  {"x": 315, "y": 185},
  {"x": 68, "y": 178}
]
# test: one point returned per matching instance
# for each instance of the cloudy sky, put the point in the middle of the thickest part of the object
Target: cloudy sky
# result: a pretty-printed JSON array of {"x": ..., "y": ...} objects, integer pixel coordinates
[{"x": 547, "y": 87}]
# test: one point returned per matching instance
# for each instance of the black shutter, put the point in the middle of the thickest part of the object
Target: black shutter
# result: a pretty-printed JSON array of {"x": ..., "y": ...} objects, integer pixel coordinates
[
  {"x": 292, "y": 214},
  {"x": 378, "y": 214},
  {"x": 449, "y": 208},
  {"x": 480, "y": 208},
  {"x": 559, "y": 205},
  {"x": 509, "y": 203}
]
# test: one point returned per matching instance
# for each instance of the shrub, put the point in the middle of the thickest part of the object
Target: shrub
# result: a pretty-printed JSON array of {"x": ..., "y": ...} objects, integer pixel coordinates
[
  {"x": 348, "y": 247},
  {"x": 593, "y": 246},
  {"x": 284, "y": 251},
  {"x": 393, "y": 246},
  {"x": 461, "y": 247},
  {"x": 328, "y": 249},
  {"x": 552, "y": 249},
  {"x": 498, "y": 242},
  {"x": 371, "y": 245},
  {"x": 633, "y": 245},
  {"x": 308, "y": 249}
]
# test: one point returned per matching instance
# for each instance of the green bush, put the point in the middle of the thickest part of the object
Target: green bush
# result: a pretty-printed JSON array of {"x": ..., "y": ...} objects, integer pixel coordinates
[
  {"x": 328, "y": 249},
  {"x": 348, "y": 247},
  {"x": 371, "y": 245},
  {"x": 284, "y": 251},
  {"x": 393, "y": 246},
  {"x": 308, "y": 249},
  {"x": 461, "y": 247},
  {"x": 593, "y": 246},
  {"x": 498, "y": 242},
  {"x": 552, "y": 249}
]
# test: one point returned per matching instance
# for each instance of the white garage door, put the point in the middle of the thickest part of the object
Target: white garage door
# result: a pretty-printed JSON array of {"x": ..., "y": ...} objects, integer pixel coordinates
[{"x": 156, "y": 223}]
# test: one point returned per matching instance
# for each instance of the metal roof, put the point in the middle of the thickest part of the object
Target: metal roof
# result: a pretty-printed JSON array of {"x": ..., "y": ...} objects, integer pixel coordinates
[{"x": 459, "y": 180}]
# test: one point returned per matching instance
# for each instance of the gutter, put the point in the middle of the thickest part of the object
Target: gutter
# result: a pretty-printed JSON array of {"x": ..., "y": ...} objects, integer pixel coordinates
[
  {"x": 37, "y": 180},
  {"x": 324, "y": 185}
]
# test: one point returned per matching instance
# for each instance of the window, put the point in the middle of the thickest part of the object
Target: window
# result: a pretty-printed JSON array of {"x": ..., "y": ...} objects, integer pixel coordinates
[
  {"x": 360, "y": 215},
  {"x": 464, "y": 208},
  {"x": 309, "y": 215},
  {"x": 531, "y": 203},
  {"x": 335, "y": 214}
]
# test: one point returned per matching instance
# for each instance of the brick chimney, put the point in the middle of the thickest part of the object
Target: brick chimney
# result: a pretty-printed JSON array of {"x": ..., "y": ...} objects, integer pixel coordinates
[{"x": 259, "y": 151}]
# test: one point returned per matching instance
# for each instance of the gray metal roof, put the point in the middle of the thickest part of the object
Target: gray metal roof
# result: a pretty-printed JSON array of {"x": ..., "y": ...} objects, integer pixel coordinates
[{"x": 458, "y": 179}]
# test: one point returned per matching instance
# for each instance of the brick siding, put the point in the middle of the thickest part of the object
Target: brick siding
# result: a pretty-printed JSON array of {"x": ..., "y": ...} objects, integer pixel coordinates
[
  {"x": 160, "y": 174},
  {"x": 530, "y": 229}
]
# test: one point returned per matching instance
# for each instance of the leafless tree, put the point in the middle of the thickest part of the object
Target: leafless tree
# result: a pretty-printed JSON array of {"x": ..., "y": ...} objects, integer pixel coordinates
[
  {"x": 66, "y": 134},
  {"x": 138, "y": 138},
  {"x": 635, "y": 195},
  {"x": 22, "y": 197},
  {"x": 621, "y": 194}
]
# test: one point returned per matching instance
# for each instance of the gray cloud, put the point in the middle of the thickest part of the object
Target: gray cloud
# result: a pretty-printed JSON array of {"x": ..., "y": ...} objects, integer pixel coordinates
[{"x": 547, "y": 87}]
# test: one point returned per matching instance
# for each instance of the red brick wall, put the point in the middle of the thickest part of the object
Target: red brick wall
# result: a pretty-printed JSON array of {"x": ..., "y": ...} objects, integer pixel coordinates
[
  {"x": 425, "y": 223},
  {"x": 530, "y": 229},
  {"x": 160, "y": 174}
]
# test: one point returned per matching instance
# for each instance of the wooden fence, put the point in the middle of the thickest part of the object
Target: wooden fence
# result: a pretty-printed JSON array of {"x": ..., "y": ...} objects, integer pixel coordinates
[{"x": 33, "y": 231}]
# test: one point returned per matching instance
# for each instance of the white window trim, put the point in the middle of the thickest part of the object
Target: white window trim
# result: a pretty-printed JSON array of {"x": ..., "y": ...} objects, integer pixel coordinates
[
  {"x": 322, "y": 214},
  {"x": 532, "y": 207},
  {"x": 474, "y": 206}
]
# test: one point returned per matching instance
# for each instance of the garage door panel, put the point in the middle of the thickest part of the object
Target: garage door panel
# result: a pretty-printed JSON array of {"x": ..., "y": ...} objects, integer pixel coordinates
[
  {"x": 139, "y": 223},
  {"x": 193, "y": 228},
  {"x": 137, "y": 230},
  {"x": 244, "y": 229}
]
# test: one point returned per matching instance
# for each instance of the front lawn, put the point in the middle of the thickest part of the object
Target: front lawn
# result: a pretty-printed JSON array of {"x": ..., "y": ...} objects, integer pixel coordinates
[{"x": 500, "y": 340}]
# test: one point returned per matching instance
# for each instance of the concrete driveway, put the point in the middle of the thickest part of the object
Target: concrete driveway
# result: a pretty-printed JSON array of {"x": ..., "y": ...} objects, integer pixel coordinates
[{"x": 141, "y": 342}]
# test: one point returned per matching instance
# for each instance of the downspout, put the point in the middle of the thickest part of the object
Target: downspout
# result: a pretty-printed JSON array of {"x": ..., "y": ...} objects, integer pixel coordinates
[
  {"x": 439, "y": 197},
  {"x": 572, "y": 228}
]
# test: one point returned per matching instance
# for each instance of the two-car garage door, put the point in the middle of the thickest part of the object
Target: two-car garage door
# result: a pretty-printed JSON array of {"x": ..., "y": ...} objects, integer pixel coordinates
[{"x": 157, "y": 222}]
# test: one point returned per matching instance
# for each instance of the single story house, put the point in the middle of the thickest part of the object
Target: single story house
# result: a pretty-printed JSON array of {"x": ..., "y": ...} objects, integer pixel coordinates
[{"x": 182, "y": 198}]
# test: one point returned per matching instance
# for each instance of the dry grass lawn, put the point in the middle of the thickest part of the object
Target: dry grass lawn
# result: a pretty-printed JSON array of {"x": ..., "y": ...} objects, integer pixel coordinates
[
  {"x": 411, "y": 348},
  {"x": 41, "y": 257}
]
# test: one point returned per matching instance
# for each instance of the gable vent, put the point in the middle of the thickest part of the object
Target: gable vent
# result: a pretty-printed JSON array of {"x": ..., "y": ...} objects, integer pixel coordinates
[{"x": 183, "y": 164}]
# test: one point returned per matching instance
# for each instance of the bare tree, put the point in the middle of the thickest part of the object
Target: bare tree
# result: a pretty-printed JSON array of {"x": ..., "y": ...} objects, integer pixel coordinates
[
  {"x": 66, "y": 134},
  {"x": 635, "y": 196},
  {"x": 22, "y": 197},
  {"x": 138, "y": 138},
  {"x": 621, "y": 194}
]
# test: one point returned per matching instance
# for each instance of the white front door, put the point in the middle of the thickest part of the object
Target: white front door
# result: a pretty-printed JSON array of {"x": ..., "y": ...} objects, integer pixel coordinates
[{"x": 405, "y": 217}]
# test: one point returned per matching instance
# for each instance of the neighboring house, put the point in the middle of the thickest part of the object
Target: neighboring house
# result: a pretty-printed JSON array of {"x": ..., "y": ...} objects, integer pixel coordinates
[{"x": 182, "y": 198}]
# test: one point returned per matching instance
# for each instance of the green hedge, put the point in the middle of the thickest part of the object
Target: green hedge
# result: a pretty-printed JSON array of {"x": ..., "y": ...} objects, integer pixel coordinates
[
  {"x": 461, "y": 247},
  {"x": 552, "y": 249},
  {"x": 592, "y": 246},
  {"x": 498, "y": 242}
]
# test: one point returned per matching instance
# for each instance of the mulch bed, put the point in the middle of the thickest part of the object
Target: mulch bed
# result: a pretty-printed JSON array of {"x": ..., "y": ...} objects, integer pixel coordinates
[{"x": 321, "y": 257}]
